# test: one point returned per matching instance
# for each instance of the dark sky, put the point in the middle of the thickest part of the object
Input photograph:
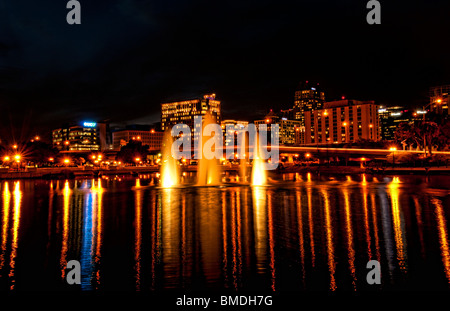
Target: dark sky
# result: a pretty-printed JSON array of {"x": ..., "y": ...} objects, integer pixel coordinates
[{"x": 128, "y": 56}]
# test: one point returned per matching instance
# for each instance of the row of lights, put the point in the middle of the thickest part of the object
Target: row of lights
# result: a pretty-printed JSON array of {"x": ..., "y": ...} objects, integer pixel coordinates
[{"x": 17, "y": 158}]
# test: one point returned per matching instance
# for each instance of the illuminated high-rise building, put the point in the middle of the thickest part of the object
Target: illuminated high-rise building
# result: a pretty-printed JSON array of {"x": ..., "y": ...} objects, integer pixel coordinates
[
  {"x": 183, "y": 112},
  {"x": 439, "y": 99},
  {"x": 230, "y": 128},
  {"x": 308, "y": 97},
  {"x": 342, "y": 121},
  {"x": 288, "y": 129},
  {"x": 86, "y": 136}
]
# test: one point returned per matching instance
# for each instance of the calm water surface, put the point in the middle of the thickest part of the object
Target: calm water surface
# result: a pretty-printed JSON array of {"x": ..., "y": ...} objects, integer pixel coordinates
[{"x": 303, "y": 232}]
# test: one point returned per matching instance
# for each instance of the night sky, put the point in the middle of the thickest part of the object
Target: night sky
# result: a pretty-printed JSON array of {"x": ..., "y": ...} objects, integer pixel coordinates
[{"x": 128, "y": 56}]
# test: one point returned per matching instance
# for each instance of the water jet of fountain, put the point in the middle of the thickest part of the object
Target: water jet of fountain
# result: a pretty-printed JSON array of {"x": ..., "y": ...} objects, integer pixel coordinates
[
  {"x": 243, "y": 162},
  {"x": 209, "y": 170},
  {"x": 259, "y": 174},
  {"x": 169, "y": 167}
]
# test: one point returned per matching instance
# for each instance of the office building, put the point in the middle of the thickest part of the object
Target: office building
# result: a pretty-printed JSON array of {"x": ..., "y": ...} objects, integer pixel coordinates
[
  {"x": 390, "y": 119},
  {"x": 439, "y": 99},
  {"x": 342, "y": 121},
  {"x": 232, "y": 127},
  {"x": 183, "y": 112},
  {"x": 287, "y": 128},
  {"x": 87, "y": 136},
  {"x": 143, "y": 133},
  {"x": 308, "y": 97}
]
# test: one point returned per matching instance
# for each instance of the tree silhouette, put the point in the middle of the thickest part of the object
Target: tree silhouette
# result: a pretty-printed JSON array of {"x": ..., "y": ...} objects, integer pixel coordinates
[{"x": 134, "y": 149}]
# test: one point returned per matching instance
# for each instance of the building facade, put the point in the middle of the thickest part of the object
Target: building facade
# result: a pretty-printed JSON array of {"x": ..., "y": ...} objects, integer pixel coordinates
[
  {"x": 308, "y": 97},
  {"x": 287, "y": 128},
  {"x": 390, "y": 119},
  {"x": 231, "y": 128},
  {"x": 87, "y": 136},
  {"x": 145, "y": 134},
  {"x": 439, "y": 99},
  {"x": 84, "y": 137},
  {"x": 184, "y": 112},
  {"x": 342, "y": 121}
]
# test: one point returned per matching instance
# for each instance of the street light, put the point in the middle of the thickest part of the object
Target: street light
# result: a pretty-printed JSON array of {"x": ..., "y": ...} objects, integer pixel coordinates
[
  {"x": 363, "y": 160},
  {"x": 346, "y": 134},
  {"x": 438, "y": 101}
]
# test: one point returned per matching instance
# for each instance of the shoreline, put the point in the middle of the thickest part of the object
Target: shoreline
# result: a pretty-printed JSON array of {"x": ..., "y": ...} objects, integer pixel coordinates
[{"x": 73, "y": 172}]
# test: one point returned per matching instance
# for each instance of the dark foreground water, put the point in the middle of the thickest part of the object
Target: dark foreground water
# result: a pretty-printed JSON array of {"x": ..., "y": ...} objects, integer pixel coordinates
[{"x": 303, "y": 232}]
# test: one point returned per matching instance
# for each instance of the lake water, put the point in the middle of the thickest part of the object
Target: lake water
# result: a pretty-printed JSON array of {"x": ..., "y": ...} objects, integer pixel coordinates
[{"x": 303, "y": 232}]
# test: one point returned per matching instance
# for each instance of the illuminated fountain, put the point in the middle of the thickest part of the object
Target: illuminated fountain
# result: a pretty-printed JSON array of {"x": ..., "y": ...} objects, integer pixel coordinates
[
  {"x": 209, "y": 170},
  {"x": 169, "y": 168},
  {"x": 242, "y": 170},
  {"x": 259, "y": 174}
]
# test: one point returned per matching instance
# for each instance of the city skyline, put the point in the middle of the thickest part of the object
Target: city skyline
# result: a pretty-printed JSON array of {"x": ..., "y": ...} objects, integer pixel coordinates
[
  {"x": 128, "y": 57},
  {"x": 46, "y": 133}
]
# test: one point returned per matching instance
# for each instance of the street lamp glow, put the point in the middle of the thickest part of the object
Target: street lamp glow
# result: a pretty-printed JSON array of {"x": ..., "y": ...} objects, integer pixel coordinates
[
  {"x": 393, "y": 149},
  {"x": 439, "y": 101},
  {"x": 6, "y": 159},
  {"x": 344, "y": 124},
  {"x": 66, "y": 161},
  {"x": 15, "y": 146},
  {"x": 17, "y": 157}
]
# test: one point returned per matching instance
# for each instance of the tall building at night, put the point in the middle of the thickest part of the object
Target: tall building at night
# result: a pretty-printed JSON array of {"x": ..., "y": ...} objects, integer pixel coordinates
[
  {"x": 232, "y": 127},
  {"x": 342, "y": 121},
  {"x": 439, "y": 99},
  {"x": 308, "y": 97},
  {"x": 288, "y": 129},
  {"x": 87, "y": 136},
  {"x": 183, "y": 112},
  {"x": 392, "y": 117}
]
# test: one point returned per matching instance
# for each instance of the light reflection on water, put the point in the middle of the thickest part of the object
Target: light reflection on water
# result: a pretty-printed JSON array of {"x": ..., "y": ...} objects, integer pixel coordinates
[{"x": 303, "y": 232}]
